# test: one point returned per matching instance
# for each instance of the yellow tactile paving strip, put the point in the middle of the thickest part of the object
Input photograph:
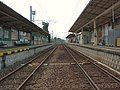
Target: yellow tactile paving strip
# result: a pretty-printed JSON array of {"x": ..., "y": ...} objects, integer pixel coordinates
[
  {"x": 13, "y": 50},
  {"x": 17, "y": 49}
]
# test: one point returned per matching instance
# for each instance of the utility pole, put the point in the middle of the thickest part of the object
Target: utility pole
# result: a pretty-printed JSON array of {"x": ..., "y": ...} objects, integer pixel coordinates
[
  {"x": 32, "y": 14},
  {"x": 52, "y": 34}
]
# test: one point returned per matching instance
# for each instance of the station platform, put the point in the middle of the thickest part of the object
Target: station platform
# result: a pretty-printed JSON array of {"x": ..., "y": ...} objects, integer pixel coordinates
[
  {"x": 10, "y": 50},
  {"x": 59, "y": 67},
  {"x": 9, "y": 56},
  {"x": 109, "y": 56},
  {"x": 103, "y": 48}
]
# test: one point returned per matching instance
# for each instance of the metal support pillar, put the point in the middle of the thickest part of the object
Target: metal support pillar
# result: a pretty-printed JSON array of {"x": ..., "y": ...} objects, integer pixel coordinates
[
  {"x": 2, "y": 34},
  {"x": 95, "y": 34},
  {"x": 76, "y": 38},
  {"x": 31, "y": 38},
  {"x": 18, "y": 35},
  {"x": 82, "y": 40}
]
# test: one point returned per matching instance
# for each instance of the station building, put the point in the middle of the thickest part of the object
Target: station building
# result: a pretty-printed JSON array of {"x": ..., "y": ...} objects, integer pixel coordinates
[
  {"x": 99, "y": 23},
  {"x": 16, "y": 30},
  {"x": 71, "y": 38}
]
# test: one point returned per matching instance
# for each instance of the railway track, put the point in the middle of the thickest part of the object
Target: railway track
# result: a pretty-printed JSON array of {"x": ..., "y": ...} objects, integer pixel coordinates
[
  {"x": 99, "y": 78},
  {"x": 18, "y": 64},
  {"x": 58, "y": 73},
  {"x": 14, "y": 79},
  {"x": 62, "y": 69}
]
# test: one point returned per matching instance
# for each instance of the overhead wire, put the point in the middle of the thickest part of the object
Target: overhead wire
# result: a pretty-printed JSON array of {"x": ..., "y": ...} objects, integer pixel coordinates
[
  {"x": 74, "y": 12},
  {"x": 43, "y": 11}
]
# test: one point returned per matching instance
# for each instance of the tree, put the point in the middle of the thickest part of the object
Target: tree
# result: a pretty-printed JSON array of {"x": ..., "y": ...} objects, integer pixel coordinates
[{"x": 45, "y": 26}]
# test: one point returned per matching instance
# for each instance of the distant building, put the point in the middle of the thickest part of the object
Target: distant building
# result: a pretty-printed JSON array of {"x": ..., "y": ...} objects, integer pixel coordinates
[{"x": 71, "y": 38}]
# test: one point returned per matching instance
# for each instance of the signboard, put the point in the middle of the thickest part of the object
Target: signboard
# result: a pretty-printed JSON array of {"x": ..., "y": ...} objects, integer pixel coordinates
[
  {"x": 24, "y": 35},
  {"x": 6, "y": 34},
  {"x": 28, "y": 36},
  {"x": 14, "y": 34}
]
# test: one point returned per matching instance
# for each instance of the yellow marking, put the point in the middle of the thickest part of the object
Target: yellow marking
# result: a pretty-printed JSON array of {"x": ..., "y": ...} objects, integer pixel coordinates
[
  {"x": 21, "y": 49},
  {"x": 15, "y": 50},
  {"x": 27, "y": 48},
  {"x": 24, "y": 48},
  {"x": 9, "y": 52},
  {"x": 1, "y": 54}
]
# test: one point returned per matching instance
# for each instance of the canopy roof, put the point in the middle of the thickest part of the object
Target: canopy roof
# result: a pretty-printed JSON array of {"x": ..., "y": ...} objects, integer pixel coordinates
[
  {"x": 70, "y": 36},
  {"x": 96, "y": 9},
  {"x": 11, "y": 19}
]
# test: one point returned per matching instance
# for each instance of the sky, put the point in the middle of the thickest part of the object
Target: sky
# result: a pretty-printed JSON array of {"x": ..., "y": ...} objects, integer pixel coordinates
[{"x": 61, "y": 14}]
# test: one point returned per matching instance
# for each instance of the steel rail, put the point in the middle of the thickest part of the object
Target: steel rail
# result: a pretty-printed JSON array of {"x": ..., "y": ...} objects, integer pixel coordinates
[
  {"x": 105, "y": 71},
  {"x": 11, "y": 73},
  {"x": 92, "y": 83},
  {"x": 25, "y": 81}
]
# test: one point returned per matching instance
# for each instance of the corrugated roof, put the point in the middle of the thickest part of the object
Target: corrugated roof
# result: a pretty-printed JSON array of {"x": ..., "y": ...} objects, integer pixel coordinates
[
  {"x": 92, "y": 10},
  {"x": 10, "y": 18}
]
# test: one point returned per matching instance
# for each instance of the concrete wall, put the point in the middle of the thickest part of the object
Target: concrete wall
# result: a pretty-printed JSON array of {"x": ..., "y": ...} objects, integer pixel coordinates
[
  {"x": 80, "y": 39},
  {"x": 87, "y": 37},
  {"x": 84, "y": 38},
  {"x": 109, "y": 58},
  {"x": 19, "y": 56},
  {"x": 9, "y": 43}
]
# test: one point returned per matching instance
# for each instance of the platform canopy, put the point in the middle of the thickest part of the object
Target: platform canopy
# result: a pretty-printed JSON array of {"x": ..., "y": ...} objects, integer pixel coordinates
[
  {"x": 11, "y": 19},
  {"x": 99, "y": 10},
  {"x": 70, "y": 36}
]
